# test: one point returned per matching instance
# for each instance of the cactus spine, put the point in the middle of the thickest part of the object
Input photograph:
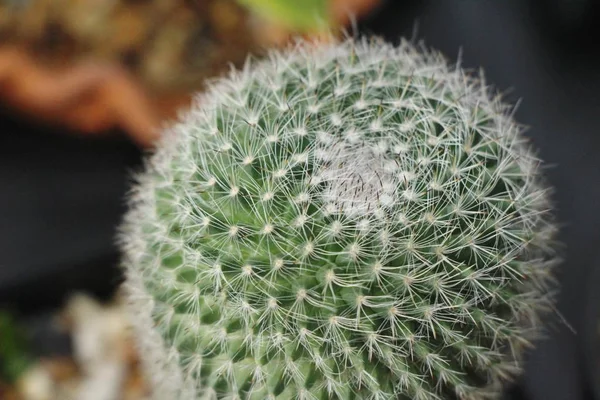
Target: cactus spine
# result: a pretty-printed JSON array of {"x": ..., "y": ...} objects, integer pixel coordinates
[{"x": 342, "y": 221}]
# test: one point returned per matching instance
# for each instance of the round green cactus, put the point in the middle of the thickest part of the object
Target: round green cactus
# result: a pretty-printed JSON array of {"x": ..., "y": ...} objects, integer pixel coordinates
[{"x": 340, "y": 221}]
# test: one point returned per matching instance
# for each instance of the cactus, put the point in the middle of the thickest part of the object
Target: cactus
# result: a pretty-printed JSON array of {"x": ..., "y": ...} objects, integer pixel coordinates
[{"x": 340, "y": 221}]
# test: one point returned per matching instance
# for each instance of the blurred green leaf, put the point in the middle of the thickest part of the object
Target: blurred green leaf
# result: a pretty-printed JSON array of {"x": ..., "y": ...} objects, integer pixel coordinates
[
  {"x": 15, "y": 357},
  {"x": 303, "y": 15}
]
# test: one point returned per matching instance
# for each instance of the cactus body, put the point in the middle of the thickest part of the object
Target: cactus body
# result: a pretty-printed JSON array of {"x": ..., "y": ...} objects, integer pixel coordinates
[{"x": 341, "y": 221}]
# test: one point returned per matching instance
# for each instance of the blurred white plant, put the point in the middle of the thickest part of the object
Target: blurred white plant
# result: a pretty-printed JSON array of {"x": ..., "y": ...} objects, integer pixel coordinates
[{"x": 100, "y": 337}]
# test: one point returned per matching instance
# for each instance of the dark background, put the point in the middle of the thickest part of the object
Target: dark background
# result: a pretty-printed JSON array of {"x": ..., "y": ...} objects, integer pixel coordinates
[{"x": 61, "y": 197}]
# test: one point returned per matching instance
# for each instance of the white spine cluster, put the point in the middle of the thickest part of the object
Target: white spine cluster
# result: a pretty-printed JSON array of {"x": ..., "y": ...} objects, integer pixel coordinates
[{"x": 341, "y": 221}]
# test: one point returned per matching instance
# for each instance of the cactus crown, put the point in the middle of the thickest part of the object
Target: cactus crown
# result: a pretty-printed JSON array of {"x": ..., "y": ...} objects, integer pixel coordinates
[{"x": 341, "y": 221}]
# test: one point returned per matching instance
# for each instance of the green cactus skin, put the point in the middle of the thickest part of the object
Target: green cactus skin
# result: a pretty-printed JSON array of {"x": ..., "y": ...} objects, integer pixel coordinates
[{"x": 341, "y": 221}]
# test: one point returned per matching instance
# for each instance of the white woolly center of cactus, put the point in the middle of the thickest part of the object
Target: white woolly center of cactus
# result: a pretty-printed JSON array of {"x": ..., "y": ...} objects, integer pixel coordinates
[
  {"x": 247, "y": 270},
  {"x": 234, "y": 191},
  {"x": 233, "y": 231},
  {"x": 268, "y": 228},
  {"x": 357, "y": 179},
  {"x": 278, "y": 263},
  {"x": 267, "y": 196},
  {"x": 301, "y": 295},
  {"x": 308, "y": 248}
]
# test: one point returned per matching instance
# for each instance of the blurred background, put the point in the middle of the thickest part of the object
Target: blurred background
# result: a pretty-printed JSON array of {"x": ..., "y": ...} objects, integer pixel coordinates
[{"x": 85, "y": 86}]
